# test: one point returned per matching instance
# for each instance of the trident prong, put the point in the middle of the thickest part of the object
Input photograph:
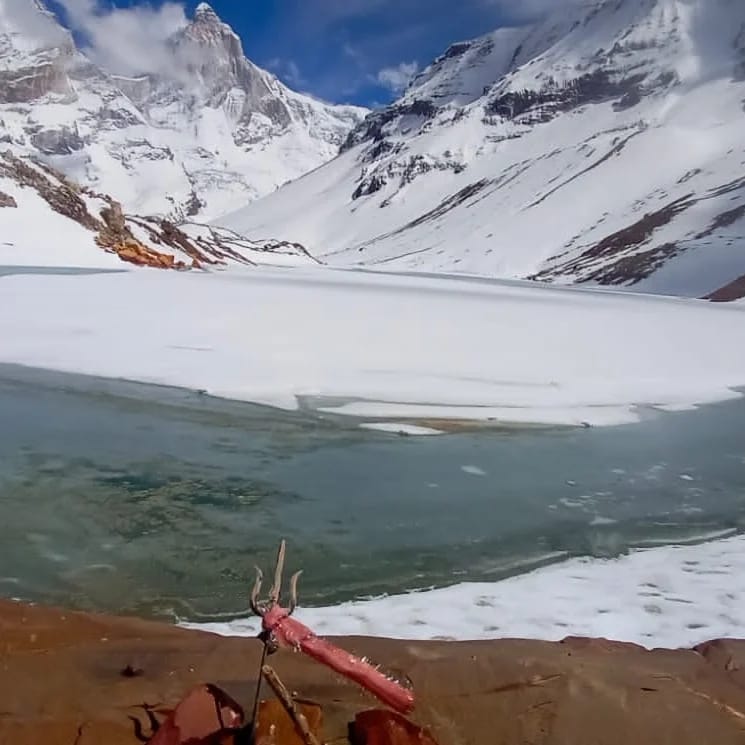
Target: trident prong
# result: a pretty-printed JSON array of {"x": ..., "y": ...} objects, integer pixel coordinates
[
  {"x": 293, "y": 592},
  {"x": 254, "y": 598},
  {"x": 277, "y": 586},
  {"x": 260, "y": 608}
]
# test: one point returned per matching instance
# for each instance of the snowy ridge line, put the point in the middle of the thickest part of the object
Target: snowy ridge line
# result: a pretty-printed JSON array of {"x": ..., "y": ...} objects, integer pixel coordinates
[{"x": 673, "y": 596}]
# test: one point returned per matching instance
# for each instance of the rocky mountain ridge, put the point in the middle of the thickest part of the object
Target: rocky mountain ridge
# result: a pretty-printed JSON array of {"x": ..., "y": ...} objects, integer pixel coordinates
[{"x": 39, "y": 205}]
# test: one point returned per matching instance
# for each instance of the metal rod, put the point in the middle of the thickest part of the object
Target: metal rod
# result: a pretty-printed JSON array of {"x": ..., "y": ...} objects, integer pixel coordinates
[
  {"x": 258, "y": 693},
  {"x": 297, "y": 716}
]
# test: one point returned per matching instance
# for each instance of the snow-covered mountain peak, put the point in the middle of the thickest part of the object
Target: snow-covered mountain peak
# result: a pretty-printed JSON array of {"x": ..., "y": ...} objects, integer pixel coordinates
[
  {"x": 205, "y": 132},
  {"x": 209, "y": 30},
  {"x": 616, "y": 52},
  {"x": 209, "y": 62},
  {"x": 205, "y": 12},
  {"x": 604, "y": 143},
  {"x": 639, "y": 44}
]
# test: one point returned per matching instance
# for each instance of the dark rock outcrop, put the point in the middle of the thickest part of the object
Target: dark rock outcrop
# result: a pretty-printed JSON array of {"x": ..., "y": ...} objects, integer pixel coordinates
[
  {"x": 62, "y": 141},
  {"x": 631, "y": 254},
  {"x": 30, "y": 84},
  {"x": 735, "y": 290},
  {"x": 536, "y": 106},
  {"x": 374, "y": 125},
  {"x": 7, "y": 201},
  {"x": 62, "y": 196}
]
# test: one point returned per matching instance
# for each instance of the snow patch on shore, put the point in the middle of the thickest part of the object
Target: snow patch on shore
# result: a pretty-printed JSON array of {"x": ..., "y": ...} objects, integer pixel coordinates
[{"x": 672, "y": 596}]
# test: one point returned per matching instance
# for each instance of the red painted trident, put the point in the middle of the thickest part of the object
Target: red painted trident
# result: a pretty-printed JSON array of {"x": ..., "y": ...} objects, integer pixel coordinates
[{"x": 279, "y": 629}]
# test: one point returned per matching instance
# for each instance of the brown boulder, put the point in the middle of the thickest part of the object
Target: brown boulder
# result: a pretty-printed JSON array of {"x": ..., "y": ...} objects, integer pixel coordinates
[
  {"x": 134, "y": 252},
  {"x": 206, "y": 716},
  {"x": 113, "y": 218}
]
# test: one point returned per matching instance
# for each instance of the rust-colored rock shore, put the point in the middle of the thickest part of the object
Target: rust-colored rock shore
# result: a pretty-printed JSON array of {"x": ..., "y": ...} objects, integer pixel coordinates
[{"x": 68, "y": 678}]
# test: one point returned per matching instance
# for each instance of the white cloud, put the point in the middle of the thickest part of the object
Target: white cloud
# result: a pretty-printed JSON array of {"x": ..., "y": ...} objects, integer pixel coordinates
[
  {"x": 27, "y": 18},
  {"x": 287, "y": 70},
  {"x": 398, "y": 77},
  {"x": 352, "y": 52},
  {"x": 127, "y": 41},
  {"x": 293, "y": 75}
]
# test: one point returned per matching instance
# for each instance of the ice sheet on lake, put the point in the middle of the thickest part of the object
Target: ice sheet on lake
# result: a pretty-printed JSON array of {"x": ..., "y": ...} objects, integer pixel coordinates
[
  {"x": 407, "y": 347},
  {"x": 668, "y": 596},
  {"x": 400, "y": 428}
]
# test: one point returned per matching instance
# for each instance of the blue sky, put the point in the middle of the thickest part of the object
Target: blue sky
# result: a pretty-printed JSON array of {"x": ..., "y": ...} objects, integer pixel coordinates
[
  {"x": 358, "y": 51},
  {"x": 337, "y": 49}
]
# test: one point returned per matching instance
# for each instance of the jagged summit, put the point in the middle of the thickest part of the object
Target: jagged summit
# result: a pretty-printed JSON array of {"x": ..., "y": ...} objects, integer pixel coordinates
[
  {"x": 209, "y": 58},
  {"x": 209, "y": 28},
  {"x": 203, "y": 132},
  {"x": 603, "y": 144},
  {"x": 205, "y": 12}
]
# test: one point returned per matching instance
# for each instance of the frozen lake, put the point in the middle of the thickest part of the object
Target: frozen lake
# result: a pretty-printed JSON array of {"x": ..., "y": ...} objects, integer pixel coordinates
[{"x": 158, "y": 501}]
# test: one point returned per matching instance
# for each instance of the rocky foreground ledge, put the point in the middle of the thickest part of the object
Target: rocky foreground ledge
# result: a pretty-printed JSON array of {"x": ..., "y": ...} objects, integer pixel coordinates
[{"x": 77, "y": 679}]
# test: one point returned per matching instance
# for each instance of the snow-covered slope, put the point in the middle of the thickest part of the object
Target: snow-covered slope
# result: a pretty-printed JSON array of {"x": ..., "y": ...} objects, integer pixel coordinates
[
  {"x": 46, "y": 220},
  {"x": 208, "y": 134},
  {"x": 605, "y": 144}
]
